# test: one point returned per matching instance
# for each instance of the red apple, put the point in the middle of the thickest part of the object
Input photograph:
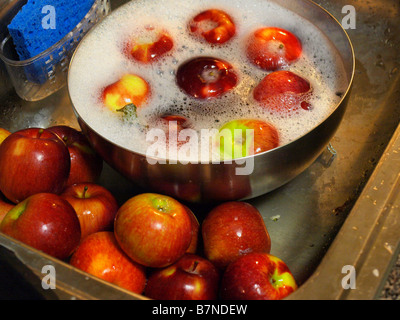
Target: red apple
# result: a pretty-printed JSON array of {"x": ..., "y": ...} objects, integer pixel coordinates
[
  {"x": 100, "y": 255},
  {"x": 255, "y": 135},
  {"x": 213, "y": 25},
  {"x": 206, "y": 77},
  {"x": 180, "y": 121},
  {"x": 283, "y": 91},
  {"x": 129, "y": 89},
  {"x": 95, "y": 206},
  {"x": 186, "y": 191},
  {"x": 86, "y": 164},
  {"x": 3, "y": 134},
  {"x": 231, "y": 230},
  {"x": 224, "y": 188},
  {"x": 46, "y": 222},
  {"x": 273, "y": 48},
  {"x": 257, "y": 276},
  {"x": 195, "y": 232},
  {"x": 174, "y": 124},
  {"x": 153, "y": 229},
  {"x": 190, "y": 278},
  {"x": 150, "y": 45},
  {"x": 32, "y": 161}
]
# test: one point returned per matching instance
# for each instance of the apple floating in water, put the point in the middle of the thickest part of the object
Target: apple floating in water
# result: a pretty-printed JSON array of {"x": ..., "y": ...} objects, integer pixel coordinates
[
  {"x": 283, "y": 91},
  {"x": 213, "y": 25},
  {"x": 246, "y": 137},
  {"x": 129, "y": 89},
  {"x": 150, "y": 45},
  {"x": 206, "y": 77},
  {"x": 272, "y": 48}
]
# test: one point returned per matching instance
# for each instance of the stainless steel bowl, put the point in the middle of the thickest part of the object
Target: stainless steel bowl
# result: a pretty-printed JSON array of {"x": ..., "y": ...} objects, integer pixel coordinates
[{"x": 212, "y": 182}]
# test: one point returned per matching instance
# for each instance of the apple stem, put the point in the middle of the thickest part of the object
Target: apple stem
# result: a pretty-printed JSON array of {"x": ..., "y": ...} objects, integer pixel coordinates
[
  {"x": 129, "y": 112},
  {"x": 195, "y": 264},
  {"x": 84, "y": 191},
  {"x": 40, "y": 133}
]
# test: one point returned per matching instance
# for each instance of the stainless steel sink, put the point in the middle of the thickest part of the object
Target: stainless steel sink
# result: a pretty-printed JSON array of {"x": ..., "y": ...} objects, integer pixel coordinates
[{"x": 341, "y": 214}]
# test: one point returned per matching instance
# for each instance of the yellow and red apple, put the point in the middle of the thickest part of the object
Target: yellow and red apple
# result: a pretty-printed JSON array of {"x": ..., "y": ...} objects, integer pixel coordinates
[
  {"x": 3, "y": 134},
  {"x": 46, "y": 222},
  {"x": 245, "y": 137},
  {"x": 100, "y": 255},
  {"x": 213, "y": 25},
  {"x": 149, "y": 45},
  {"x": 129, "y": 89},
  {"x": 272, "y": 48},
  {"x": 153, "y": 229},
  {"x": 257, "y": 276}
]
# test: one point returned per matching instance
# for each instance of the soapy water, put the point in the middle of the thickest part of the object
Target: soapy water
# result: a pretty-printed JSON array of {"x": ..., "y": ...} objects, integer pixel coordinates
[{"x": 101, "y": 60}]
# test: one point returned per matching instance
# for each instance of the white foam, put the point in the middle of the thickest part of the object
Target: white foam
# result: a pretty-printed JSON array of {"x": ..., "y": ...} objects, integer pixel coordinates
[{"x": 100, "y": 60}]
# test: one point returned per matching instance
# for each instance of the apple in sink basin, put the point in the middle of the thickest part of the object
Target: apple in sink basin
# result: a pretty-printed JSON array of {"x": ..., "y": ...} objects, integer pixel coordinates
[
  {"x": 192, "y": 277},
  {"x": 46, "y": 222},
  {"x": 153, "y": 229},
  {"x": 86, "y": 164},
  {"x": 257, "y": 276},
  {"x": 33, "y": 160},
  {"x": 233, "y": 229},
  {"x": 100, "y": 255}
]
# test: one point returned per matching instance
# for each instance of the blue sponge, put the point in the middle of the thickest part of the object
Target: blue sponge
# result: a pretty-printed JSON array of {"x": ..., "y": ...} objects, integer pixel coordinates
[{"x": 29, "y": 28}]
